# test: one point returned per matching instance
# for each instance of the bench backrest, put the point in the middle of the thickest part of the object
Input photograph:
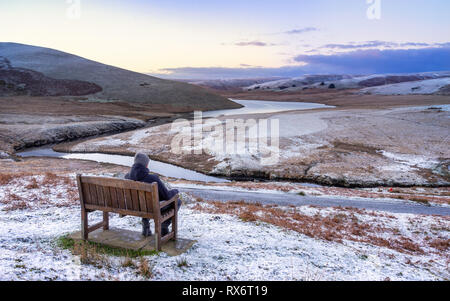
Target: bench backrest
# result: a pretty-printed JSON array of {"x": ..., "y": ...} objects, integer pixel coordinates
[{"x": 118, "y": 195}]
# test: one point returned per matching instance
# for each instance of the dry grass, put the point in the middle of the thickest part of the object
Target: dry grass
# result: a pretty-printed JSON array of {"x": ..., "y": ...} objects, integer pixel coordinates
[
  {"x": 182, "y": 262},
  {"x": 337, "y": 226},
  {"x": 38, "y": 190},
  {"x": 432, "y": 195},
  {"x": 6, "y": 178},
  {"x": 145, "y": 269},
  {"x": 20, "y": 205},
  {"x": 33, "y": 184},
  {"x": 89, "y": 254},
  {"x": 128, "y": 262},
  {"x": 441, "y": 244},
  {"x": 420, "y": 200}
]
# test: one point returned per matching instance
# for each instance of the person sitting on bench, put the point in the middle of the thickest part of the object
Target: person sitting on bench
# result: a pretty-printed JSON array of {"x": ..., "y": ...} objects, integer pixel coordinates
[{"x": 140, "y": 172}]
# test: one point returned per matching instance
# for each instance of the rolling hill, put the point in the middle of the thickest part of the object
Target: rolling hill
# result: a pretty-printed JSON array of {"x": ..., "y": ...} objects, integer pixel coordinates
[
  {"x": 116, "y": 84},
  {"x": 346, "y": 81}
]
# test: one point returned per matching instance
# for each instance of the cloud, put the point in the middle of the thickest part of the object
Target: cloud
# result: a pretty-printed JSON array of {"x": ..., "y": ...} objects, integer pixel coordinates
[
  {"x": 352, "y": 62},
  {"x": 301, "y": 30},
  {"x": 369, "y": 44},
  {"x": 379, "y": 44},
  {"x": 380, "y": 61},
  {"x": 253, "y": 43},
  {"x": 247, "y": 66}
]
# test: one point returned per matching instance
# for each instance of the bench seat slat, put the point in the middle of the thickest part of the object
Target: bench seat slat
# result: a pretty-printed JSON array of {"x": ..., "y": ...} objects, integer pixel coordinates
[
  {"x": 142, "y": 202},
  {"x": 135, "y": 199},
  {"x": 93, "y": 193},
  {"x": 101, "y": 198},
  {"x": 107, "y": 195},
  {"x": 149, "y": 201},
  {"x": 86, "y": 194},
  {"x": 121, "y": 198},
  {"x": 128, "y": 200},
  {"x": 115, "y": 202}
]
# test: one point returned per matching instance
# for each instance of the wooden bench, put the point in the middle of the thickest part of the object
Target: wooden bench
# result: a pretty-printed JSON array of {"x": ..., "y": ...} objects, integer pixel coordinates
[{"x": 124, "y": 197}]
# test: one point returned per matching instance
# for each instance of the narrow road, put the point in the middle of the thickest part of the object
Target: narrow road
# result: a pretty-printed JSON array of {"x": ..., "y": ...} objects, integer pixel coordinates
[{"x": 287, "y": 199}]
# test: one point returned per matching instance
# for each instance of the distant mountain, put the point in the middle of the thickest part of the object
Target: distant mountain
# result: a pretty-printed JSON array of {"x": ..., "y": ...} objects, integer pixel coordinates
[
  {"x": 115, "y": 83},
  {"x": 231, "y": 84},
  {"x": 344, "y": 81}
]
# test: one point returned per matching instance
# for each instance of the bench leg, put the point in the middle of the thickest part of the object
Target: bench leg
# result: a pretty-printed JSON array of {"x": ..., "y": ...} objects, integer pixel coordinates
[
  {"x": 157, "y": 235},
  {"x": 105, "y": 221},
  {"x": 175, "y": 221},
  {"x": 84, "y": 224}
]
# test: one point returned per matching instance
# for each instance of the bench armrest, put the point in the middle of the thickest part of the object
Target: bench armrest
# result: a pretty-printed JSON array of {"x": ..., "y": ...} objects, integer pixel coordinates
[{"x": 165, "y": 203}]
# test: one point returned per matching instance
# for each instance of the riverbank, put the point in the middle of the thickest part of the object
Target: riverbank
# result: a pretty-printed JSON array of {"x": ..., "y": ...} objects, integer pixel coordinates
[
  {"x": 36, "y": 121},
  {"x": 400, "y": 146},
  {"x": 347, "y": 146}
]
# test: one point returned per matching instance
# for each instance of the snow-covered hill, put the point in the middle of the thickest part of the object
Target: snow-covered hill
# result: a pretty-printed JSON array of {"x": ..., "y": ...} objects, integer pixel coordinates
[
  {"x": 430, "y": 86},
  {"x": 298, "y": 83},
  {"x": 231, "y": 84},
  {"x": 345, "y": 81}
]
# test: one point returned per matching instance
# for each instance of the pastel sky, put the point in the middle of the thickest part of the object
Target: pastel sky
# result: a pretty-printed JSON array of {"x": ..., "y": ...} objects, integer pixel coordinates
[{"x": 238, "y": 38}]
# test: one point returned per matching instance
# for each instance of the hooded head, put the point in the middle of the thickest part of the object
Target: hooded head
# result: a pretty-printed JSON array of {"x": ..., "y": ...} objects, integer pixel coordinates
[{"x": 141, "y": 159}]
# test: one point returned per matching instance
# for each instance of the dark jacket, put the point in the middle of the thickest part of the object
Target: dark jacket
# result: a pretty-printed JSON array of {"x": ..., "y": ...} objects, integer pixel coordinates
[{"x": 142, "y": 174}]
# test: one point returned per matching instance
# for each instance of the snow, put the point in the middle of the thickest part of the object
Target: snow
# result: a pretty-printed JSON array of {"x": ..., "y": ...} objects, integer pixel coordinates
[
  {"x": 430, "y": 86},
  {"x": 108, "y": 141},
  {"x": 298, "y": 82},
  {"x": 296, "y": 125},
  {"x": 344, "y": 81},
  {"x": 227, "y": 248},
  {"x": 411, "y": 161},
  {"x": 291, "y": 127},
  {"x": 138, "y": 135},
  {"x": 226, "y": 188}
]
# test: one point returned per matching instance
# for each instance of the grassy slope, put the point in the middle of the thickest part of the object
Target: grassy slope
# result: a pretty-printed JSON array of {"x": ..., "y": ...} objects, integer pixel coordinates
[{"x": 117, "y": 83}]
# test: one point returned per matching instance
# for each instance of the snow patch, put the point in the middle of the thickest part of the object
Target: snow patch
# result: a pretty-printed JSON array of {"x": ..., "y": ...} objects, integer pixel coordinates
[
  {"x": 430, "y": 86},
  {"x": 411, "y": 161}
]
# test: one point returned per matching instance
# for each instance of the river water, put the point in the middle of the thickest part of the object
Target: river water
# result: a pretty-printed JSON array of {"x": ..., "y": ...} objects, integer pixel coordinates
[{"x": 260, "y": 107}]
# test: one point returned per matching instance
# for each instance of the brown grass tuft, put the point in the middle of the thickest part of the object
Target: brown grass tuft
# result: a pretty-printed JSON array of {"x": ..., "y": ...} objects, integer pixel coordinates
[
  {"x": 420, "y": 200},
  {"x": 20, "y": 205},
  {"x": 6, "y": 178},
  {"x": 440, "y": 244},
  {"x": 89, "y": 254},
  {"x": 32, "y": 185},
  {"x": 144, "y": 268},
  {"x": 50, "y": 179},
  {"x": 128, "y": 262}
]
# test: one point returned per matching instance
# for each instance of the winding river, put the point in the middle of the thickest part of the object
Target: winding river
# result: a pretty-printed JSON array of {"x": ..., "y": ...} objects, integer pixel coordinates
[{"x": 169, "y": 170}]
